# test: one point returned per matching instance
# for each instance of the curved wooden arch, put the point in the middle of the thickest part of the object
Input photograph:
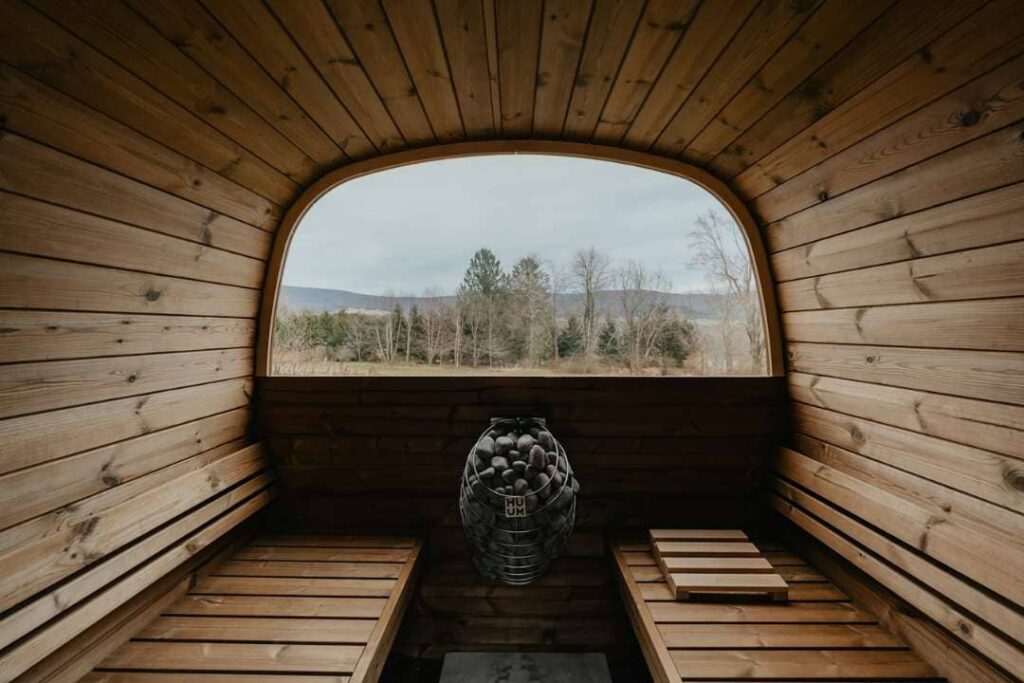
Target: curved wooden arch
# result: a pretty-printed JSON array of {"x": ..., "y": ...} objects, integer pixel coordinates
[{"x": 294, "y": 215}]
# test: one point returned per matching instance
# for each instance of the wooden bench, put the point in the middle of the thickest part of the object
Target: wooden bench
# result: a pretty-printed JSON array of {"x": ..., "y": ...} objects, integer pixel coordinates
[
  {"x": 303, "y": 609},
  {"x": 818, "y": 635},
  {"x": 710, "y": 561}
]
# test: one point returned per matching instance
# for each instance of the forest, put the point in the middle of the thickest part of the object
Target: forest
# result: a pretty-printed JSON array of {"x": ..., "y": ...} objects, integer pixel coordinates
[{"x": 592, "y": 315}]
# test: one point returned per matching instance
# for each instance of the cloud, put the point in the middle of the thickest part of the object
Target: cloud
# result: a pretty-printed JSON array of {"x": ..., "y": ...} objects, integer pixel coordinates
[{"x": 415, "y": 228}]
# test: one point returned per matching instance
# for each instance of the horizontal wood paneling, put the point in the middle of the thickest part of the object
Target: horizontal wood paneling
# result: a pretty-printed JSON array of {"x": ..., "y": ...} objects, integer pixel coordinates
[
  {"x": 47, "y": 115},
  {"x": 149, "y": 148},
  {"x": 895, "y": 226},
  {"x": 388, "y": 451},
  {"x": 50, "y": 335},
  {"x": 41, "y": 229},
  {"x": 44, "y": 284},
  {"x": 34, "y": 387}
]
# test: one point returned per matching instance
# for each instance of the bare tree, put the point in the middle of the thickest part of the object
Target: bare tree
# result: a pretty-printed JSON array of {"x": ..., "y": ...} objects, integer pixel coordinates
[
  {"x": 719, "y": 246},
  {"x": 590, "y": 270},
  {"x": 645, "y": 313}
]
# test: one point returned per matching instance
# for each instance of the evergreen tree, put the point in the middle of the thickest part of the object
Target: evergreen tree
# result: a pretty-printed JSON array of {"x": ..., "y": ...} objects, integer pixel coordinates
[
  {"x": 570, "y": 339},
  {"x": 676, "y": 340},
  {"x": 608, "y": 340},
  {"x": 484, "y": 275},
  {"x": 481, "y": 295},
  {"x": 529, "y": 292}
]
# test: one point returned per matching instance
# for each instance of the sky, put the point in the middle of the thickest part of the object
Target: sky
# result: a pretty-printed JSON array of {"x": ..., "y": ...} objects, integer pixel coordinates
[{"x": 413, "y": 230}]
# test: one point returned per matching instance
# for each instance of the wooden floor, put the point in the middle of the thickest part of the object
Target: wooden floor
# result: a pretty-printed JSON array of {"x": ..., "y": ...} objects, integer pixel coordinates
[
  {"x": 308, "y": 609},
  {"x": 818, "y": 635}
]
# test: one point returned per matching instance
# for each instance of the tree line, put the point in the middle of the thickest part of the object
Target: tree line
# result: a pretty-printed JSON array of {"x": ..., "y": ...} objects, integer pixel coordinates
[{"x": 619, "y": 316}]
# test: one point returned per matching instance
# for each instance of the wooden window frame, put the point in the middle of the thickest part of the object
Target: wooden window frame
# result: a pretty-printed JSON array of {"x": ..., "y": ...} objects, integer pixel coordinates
[{"x": 293, "y": 217}]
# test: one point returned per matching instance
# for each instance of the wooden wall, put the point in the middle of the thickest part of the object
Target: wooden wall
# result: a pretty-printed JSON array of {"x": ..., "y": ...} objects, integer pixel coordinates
[
  {"x": 896, "y": 226},
  {"x": 148, "y": 150},
  {"x": 388, "y": 452},
  {"x": 129, "y": 283}
]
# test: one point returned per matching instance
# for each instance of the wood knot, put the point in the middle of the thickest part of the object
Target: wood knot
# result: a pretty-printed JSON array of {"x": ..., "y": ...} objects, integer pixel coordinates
[
  {"x": 969, "y": 118},
  {"x": 152, "y": 294},
  {"x": 1014, "y": 477}
]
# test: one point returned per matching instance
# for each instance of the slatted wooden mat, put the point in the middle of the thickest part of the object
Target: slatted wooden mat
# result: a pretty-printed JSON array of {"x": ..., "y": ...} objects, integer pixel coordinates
[
  {"x": 717, "y": 562},
  {"x": 308, "y": 609},
  {"x": 818, "y": 635}
]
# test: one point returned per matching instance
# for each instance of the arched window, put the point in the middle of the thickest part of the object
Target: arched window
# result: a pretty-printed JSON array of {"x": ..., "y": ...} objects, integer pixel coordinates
[{"x": 517, "y": 264}]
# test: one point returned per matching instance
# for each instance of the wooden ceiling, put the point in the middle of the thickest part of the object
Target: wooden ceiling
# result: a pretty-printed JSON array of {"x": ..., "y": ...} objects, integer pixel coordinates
[{"x": 271, "y": 94}]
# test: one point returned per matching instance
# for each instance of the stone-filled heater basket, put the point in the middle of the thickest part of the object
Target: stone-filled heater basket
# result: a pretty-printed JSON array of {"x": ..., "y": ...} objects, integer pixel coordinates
[{"x": 517, "y": 500}]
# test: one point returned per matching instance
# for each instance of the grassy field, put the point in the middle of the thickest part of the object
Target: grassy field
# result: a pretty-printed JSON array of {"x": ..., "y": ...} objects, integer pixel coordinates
[{"x": 293, "y": 363}]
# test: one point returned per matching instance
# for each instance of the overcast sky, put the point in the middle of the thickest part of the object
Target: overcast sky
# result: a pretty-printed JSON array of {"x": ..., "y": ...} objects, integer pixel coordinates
[{"x": 414, "y": 229}]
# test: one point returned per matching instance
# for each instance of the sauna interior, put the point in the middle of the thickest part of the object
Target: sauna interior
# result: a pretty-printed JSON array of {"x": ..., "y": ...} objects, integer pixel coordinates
[{"x": 170, "y": 511}]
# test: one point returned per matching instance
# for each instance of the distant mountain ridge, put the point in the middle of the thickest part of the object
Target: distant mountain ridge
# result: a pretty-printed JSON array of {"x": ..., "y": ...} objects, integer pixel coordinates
[{"x": 695, "y": 305}]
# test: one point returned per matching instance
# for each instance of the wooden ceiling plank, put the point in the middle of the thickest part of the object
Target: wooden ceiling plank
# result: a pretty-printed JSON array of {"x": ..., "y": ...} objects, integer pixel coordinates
[
  {"x": 767, "y": 29},
  {"x": 37, "y": 46},
  {"x": 663, "y": 25},
  {"x": 564, "y": 30},
  {"x": 905, "y": 29},
  {"x": 612, "y": 24},
  {"x": 365, "y": 27},
  {"x": 989, "y": 162},
  {"x": 979, "y": 43},
  {"x": 996, "y": 427},
  {"x": 114, "y": 29},
  {"x": 415, "y": 28},
  {"x": 828, "y": 30},
  {"x": 990, "y": 375},
  {"x": 518, "y": 24},
  {"x": 491, "y": 35},
  {"x": 318, "y": 36},
  {"x": 33, "y": 227},
  {"x": 992, "y": 217},
  {"x": 464, "y": 33},
  {"x": 45, "y": 174},
  {"x": 37, "y": 111},
  {"x": 982, "y": 105},
  {"x": 214, "y": 47},
  {"x": 254, "y": 26},
  {"x": 711, "y": 29}
]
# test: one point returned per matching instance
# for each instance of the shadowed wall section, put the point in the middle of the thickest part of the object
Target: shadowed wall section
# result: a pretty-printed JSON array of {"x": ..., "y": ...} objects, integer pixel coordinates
[{"x": 388, "y": 452}]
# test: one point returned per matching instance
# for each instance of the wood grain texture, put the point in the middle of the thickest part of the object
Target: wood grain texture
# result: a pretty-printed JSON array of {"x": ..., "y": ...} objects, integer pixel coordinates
[
  {"x": 270, "y": 627},
  {"x": 150, "y": 149},
  {"x": 741, "y": 638}
]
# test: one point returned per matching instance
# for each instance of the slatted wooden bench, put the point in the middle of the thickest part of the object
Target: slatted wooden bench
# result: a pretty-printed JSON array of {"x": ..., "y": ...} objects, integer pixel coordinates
[
  {"x": 303, "y": 609},
  {"x": 711, "y": 561},
  {"x": 818, "y": 635}
]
